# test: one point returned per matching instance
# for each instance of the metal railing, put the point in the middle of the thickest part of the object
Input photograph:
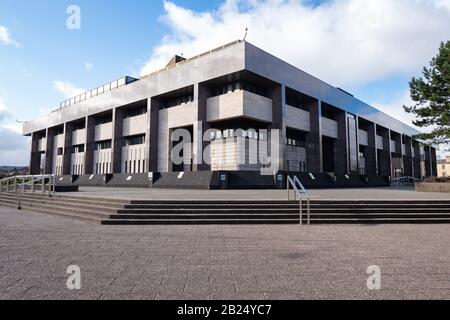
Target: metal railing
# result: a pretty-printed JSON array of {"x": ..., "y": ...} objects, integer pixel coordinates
[
  {"x": 20, "y": 184},
  {"x": 300, "y": 192},
  {"x": 403, "y": 181}
]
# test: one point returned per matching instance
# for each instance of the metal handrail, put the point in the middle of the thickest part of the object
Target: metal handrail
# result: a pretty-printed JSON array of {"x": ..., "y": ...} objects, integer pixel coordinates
[
  {"x": 28, "y": 180},
  {"x": 294, "y": 182}
]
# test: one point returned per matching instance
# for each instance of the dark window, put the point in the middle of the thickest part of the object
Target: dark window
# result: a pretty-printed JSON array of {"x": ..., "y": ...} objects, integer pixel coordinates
[{"x": 134, "y": 140}]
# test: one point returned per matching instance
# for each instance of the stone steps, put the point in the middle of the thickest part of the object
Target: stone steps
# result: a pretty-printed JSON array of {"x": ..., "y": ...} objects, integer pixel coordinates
[{"x": 159, "y": 212}]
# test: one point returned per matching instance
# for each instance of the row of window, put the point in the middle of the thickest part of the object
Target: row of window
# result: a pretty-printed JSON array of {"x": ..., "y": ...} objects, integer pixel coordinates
[
  {"x": 229, "y": 133},
  {"x": 135, "y": 112},
  {"x": 102, "y": 145},
  {"x": 169, "y": 103},
  {"x": 135, "y": 166},
  {"x": 135, "y": 140},
  {"x": 103, "y": 168},
  {"x": 239, "y": 85},
  {"x": 77, "y": 169}
]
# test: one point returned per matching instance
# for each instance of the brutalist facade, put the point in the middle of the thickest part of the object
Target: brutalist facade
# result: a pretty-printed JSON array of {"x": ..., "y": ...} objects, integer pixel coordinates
[{"x": 228, "y": 101}]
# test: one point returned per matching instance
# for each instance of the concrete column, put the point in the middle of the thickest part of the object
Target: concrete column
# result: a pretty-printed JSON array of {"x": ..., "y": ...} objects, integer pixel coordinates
[
  {"x": 313, "y": 140},
  {"x": 201, "y": 95},
  {"x": 427, "y": 161},
  {"x": 278, "y": 96},
  {"x": 385, "y": 158},
  {"x": 341, "y": 145},
  {"x": 407, "y": 157},
  {"x": 433, "y": 162},
  {"x": 370, "y": 152},
  {"x": 68, "y": 149},
  {"x": 117, "y": 140},
  {"x": 35, "y": 157},
  {"x": 416, "y": 160},
  {"x": 89, "y": 146},
  {"x": 49, "y": 149},
  {"x": 151, "y": 135}
]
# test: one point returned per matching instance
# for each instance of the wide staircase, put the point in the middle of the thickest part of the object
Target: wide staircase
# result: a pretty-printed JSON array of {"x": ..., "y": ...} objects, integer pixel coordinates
[{"x": 158, "y": 212}]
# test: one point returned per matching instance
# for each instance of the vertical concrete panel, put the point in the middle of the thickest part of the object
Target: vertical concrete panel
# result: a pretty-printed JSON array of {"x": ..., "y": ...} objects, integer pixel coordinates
[
  {"x": 340, "y": 146},
  {"x": 89, "y": 146},
  {"x": 117, "y": 140},
  {"x": 384, "y": 164},
  {"x": 407, "y": 157},
  {"x": 35, "y": 157},
  {"x": 151, "y": 160},
  {"x": 67, "y": 162},
  {"x": 370, "y": 153},
  {"x": 427, "y": 161},
  {"x": 278, "y": 97},
  {"x": 433, "y": 162},
  {"x": 50, "y": 134},
  {"x": 201, "y": 95},
  {"x": 313, "y": 140},
  {"x": 416, "y": 160}
]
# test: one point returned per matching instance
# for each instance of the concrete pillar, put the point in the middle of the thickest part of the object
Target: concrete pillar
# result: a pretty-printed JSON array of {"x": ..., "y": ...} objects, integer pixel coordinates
[
  {"x": 49, "y": 149},
  {"x": 68, "y": 149},
  {"x": 201, "y": 95},
  {"x": 416, "y": 160},
  {"x": 35, "y": 157},
  {"x": 89, "y": 147},
  {"x": 117, "y": 140},
  {"x": 313, "y": 139},
  {"x": 151, "y": 135},
  {"x": 370, "y": 151},
  {"x": 427, "y": 161},
  {"x": 385, "y": 157},
  {"x": 278, "y": 96},
  {"x": 433, "y": 162},
  {"x": 341, "y": 145},
  {"x": 407, "y": 157}
]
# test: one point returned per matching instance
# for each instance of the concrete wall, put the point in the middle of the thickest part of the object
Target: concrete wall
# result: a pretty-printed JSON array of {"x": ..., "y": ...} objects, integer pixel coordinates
[
  {"x": 239, "y": 103},
  {"x": 297, "y": 119}
]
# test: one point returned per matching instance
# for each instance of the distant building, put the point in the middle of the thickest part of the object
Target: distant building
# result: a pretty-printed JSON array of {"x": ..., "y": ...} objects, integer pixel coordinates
[{"x": 443, "y": 167}]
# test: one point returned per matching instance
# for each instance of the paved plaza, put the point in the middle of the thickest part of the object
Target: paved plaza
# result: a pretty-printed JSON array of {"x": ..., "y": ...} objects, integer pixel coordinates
[
  {"x": 220, "y": 262},
  {"x": 280, "y": 194}
]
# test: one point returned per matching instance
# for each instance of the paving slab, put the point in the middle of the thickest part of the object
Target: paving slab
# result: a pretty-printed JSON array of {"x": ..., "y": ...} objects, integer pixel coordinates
[{"x": 220, "y": 262}]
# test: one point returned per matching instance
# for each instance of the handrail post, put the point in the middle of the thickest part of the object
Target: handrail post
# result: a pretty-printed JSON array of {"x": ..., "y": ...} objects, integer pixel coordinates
[
  {"x": 301, "y": 210},
  {"x": 309, "y": 212},
  {"x": 32, "y": 184},
  {"x": 43, "y": 184},
  {"x": 15, "y": 184}
]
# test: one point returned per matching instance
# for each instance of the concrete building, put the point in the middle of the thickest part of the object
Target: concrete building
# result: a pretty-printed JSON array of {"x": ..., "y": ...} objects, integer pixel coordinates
[
  {"x": 236, "y": 95},
  {"x": 443, "y": 167}
]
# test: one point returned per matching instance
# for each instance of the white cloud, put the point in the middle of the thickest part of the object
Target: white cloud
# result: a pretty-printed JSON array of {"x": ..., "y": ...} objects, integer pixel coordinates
[
  {"x": 6, "y": 39},
  {"x": 4, "y": 111},
  {"x": 88, "y": 66},
  {"x": 13, "y": 147},
  {"x": 394, "y": 108},
  {"x": 67, "y": 89},
  {"x": 345, "y": 42}
]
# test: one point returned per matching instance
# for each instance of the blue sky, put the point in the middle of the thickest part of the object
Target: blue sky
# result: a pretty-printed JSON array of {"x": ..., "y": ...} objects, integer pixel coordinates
[{"x": 361, "y": 46}]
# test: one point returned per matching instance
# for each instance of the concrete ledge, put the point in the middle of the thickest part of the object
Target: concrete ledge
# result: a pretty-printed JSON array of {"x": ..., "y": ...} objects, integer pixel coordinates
[{"x": 433, "y": 187}]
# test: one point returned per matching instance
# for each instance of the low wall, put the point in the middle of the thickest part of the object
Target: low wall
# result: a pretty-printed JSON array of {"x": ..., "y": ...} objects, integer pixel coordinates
[{"x": 433, "y": 187}]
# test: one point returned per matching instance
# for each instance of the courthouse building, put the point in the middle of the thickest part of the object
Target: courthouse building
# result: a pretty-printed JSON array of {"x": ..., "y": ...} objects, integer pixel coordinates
[{"x": 120, "y": 133}]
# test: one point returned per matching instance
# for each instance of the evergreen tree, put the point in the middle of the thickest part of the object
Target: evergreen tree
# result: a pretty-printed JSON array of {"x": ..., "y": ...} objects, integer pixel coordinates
[{"x": 431, "y": 95}]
